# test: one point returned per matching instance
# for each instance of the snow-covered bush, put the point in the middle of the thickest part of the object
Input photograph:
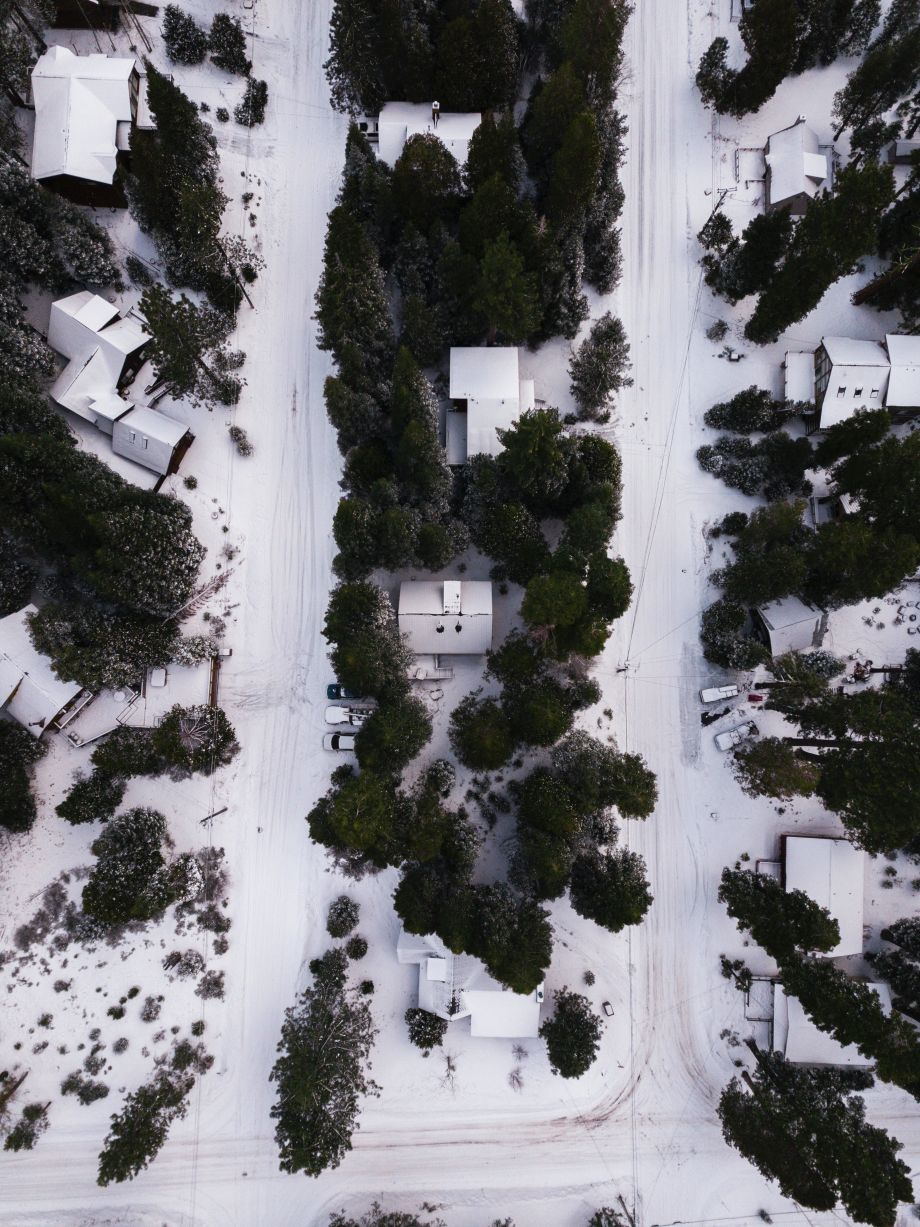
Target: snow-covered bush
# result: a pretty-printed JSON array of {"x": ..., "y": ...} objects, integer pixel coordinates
[
  {"x": 139, "y": 1130},
  {"x": 251, "y": 110},
  {"x": 241, "y": 440},
  {"x": 29, "y": 1128},
  {"x": 184, "y": 964},
  {"x": 92, "y": 798},
  {"x": 426, "y": 1030},
  {"x": 211, "y": 985},
  {"x": 86, "y": 1090},
  {"x": 343, "y": 916},
  {"x": 356, "y": 947}
]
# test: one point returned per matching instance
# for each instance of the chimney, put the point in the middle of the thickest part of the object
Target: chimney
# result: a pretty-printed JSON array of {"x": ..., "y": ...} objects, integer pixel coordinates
[{"x": 451, "y": 596}]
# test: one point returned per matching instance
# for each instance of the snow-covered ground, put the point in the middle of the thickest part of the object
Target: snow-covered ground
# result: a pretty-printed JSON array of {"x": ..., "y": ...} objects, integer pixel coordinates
[{"x": 641, "y": 1125}]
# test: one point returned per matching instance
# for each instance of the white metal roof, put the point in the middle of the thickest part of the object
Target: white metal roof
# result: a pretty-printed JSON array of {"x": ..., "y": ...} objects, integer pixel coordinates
[
  {"x": 457, "y": 986},
  {"x": 400, "y": 120},
  {"x": 904, "y": 380},
  {"x": 797, "y": 1037},
  {"x": 800, "y": 378},
  {"x": 429, "y": 630},
  {"x": 480, "y": 372},
  {"x": 795, "y": 164},
  {"x": 79, "y": 102},
  {"x": 29, "y": 690},
  {"x": 87, "y": 330},
  {"x": 849, "y": 351},
  {"x": 791, "y": 624},
  {"x": 832, "y": 872}
]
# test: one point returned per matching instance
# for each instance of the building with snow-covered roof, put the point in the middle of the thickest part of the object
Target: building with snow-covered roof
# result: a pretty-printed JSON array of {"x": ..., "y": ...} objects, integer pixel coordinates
[
  {"x": 456, "y": 986},
  {"x": 903, "y": 396},
  {"x": 800, "y": 1041},
  {"x": 799, "y": 378},
  {"x": 849, "y": 375},
  {"x": 789, "y": 625},
  {"x": 398, "y": 122},
  {"x": 901, "y": 153},
  {"x": 832, "y": 873},
  {"x": 796, "y": 169},
  {"x": 104, "y": 348},
  {"x": 448, "y": 617},
  {"x": 488, "y": 395},
  {"x": 85, "y": 106},
  {"x": 30, "y": 691}
]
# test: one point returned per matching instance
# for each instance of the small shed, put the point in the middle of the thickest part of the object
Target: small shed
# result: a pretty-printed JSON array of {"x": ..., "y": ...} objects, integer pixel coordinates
[
  {"x": 832, "y": 873},
  {"x": 446, "y": 617},
  {"x": 789, "y": 625},
  {"x": 30, "y": 690},
  {"x": 796, "y": 169},
  {"x": 903, "y": 397},
  {"x": 800, "y": 1041},
  {"x": 901, "y": 153},
  {"x": 151, "y": 438},
  {"x": 399, "y": 121},
  {"x": 488, "y": 394}
]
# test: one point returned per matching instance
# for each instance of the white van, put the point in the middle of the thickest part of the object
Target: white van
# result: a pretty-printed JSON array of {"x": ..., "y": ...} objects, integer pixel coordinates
[{"x": 718, "y": 694}]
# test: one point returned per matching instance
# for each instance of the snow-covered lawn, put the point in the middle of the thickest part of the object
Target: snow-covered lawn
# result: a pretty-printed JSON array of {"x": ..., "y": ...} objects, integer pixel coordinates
[{"x": 641, "y": 1124}]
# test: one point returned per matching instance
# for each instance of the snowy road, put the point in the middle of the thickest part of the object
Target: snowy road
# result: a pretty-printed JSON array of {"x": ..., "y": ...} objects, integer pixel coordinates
[{"x": 654, "y": 1138}]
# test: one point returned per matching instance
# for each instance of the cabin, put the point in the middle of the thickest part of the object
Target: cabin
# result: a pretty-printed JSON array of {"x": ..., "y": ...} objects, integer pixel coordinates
[
  {"x": 457, "y": 986},
  {"x": 487, "y": 395},
  {"x": 832, "y": 873},
  {"x": 85, "y": 109},
  {"x": 796, "y": 169},
  {"x": 801, "y": 1042},
  {"x": 789, "y": 625},
  {"x": 105, "y": 350},
  {"x": 30, "y": 691},
  {"x": 849, "y": 375},
  {"x": 398, "y": 122},
  {"x": 446, "y": 617}
]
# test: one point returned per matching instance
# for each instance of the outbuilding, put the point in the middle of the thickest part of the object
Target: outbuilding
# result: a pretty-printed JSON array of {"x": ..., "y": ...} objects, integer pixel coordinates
[
  {"x": 800, "y": 1041},
  {"x": 789, "y": 625}
]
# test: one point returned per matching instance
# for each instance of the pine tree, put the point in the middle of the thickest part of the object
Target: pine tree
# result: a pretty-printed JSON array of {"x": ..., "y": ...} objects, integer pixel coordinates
[
  {"x": 88, "y": 644},
  {"x": 611, "y": 888},
  {"x": 572, "y": 1035},
  {"x": 195, "y": 739},
  {"x": 17, "y": 577},
  {"x": 906, "y": 934},
  {"x": 353, "y": 68},
  {"x": 251, "y": 110},
  {"x": 92, "y": 798},
  {"x": 320, "y": 1077},
  {"x": 186, "y": 346},
  {"x": 227, "y": 44},
  {"x": 184, "y": 39},
  {"x": 752, "y": 409},
  {"x": 505, "y": 297},
  {"x": 804, "y": 1129},
  {"x": 749, "y": 264},
  {"x": 368, "y": 653},
  {"x": 480, "y": 734},
  {"x": 19, "y": 751},
  {"x": 426, "y": 1030},
  {"x": 769, "y": 768},
  {"x": 573, "y": 174},
  {"x": 591, "y": 38},
  {"x": 131, "y": 879},
  {"x": 28, "y": 1129},
  {"x": 137, "y": 1133},
  {"x": 781, "y": 921},
  {"x": 393, "y": 735},
  {"x": 598, "y": 369}
]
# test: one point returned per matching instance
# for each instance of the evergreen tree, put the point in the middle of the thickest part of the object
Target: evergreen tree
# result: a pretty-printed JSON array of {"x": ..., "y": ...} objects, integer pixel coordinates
[
  {"x": 188, "y": 347},
  {"x": 17, "y": 577},
  {"x": 365, "y": 814},
  {"x": 19, "y": 751},
  {"x": 611, "y": 888},
  {"x": 602, "y": 249},
  {"x": 769, "y": 768},
  {"x": 90, "y": 644},
  {"x": 368, "y": 653},
  {"x": 572, "y": 1035},
  {"x": 23, "y": 411},
  {"x": 478, "y": 59},
  {"x": 513, "y": 937},
  {"x": 194, "y": 739},
  {"x": 393, "y": 734},
  {"x": 903, "y": 975},
  {"x": 481, "y": 735},
  {"x": 28, "y": 1129},
  {"x": 227, "y": 44},
  {"x": 748, "y": 265},
  {"x": 781, "y": 921},
  {"x": 184, "y": 39},
  {"x": 92, "y": 798},
  {"x": 723, "y": 631},
  {"x": 599, "y": 367},
  {"x": 906, "y": 934},
  {"x": 320, "y": 1076},
  {"x": 590, "y": 38},
  {"x": 573, "y": 174},
  {"x": 251, "y": 110},
  {"x": 138, "y": 1131},
  {"x": 888, "y": 72},
  {"x": 752, "y": 409},
  {"x": 426, "y": 1030},
  {"x": 598, "y": 776},
  {"x": 353, "y": 68},
  {"x": 426, "y": 182},
  {"x": 505, "y": 297},
  {"x": 131, "y": 879},
  {"x": 494, "y": 149},
  {"x": 835, "y": 233},
  {"x": 803, "y": 1128}
]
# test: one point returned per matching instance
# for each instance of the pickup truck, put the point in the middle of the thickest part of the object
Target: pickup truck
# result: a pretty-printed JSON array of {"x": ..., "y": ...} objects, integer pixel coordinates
[
  {"x": 718, "y": 694},
  {"x": 345, "y": 715},
  {"x": 734, "y": 737}
]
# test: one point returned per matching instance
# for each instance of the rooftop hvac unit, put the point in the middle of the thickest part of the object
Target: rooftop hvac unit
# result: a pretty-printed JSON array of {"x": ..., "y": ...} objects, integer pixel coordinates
[{"x": 452, "y": 596}]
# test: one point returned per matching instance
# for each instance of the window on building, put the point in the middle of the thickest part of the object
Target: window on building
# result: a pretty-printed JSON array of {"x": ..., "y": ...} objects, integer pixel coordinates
[
  {"x": 841, "y": 392},
  {"x": 874, "y": 394},
  {"x": 857, "y": 391}
]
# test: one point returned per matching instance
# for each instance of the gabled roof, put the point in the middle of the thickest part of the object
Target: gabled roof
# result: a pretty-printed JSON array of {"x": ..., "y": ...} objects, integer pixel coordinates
[
  {"x": 488, "y": 379},
  {"x": 794, "y": 162},
  {"x": 797, "y": 1037},
  {"x": 792, "y": 625},
  {"x": 30, "y": 691},
  {"x": 432, "y": 630},
  {"x": 832, "y": 872},
  {"x": 398, "y": 121},
  {"x": 799, "y": 384},
  {"x": 848, "y": 351},
  {"x": 87, "y": 330},
  {"x": 904, "y": 381},
  {"x": 79, "y": 102}
]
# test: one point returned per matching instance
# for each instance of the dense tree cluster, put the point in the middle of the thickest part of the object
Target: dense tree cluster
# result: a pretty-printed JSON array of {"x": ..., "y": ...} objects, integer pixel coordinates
[
  {"x": 749, "y": 410},
  {"x": 782, "y": 921},
  {"x": 901, "y": 967},
  {"x": 782, "y": 37},
  {"x": 19, "y": 752},
  {"x": 774, "y": 466},
  {"x": 572, "y": 1035},
  {"x": 805, "y": 1129},
  {"x": 137, "y": 1133},
  {"x": 320, "y": 1075}
]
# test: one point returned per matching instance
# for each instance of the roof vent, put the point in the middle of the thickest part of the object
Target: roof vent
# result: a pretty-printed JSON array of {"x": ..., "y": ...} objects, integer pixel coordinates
[{"x": 452, "y": 596}]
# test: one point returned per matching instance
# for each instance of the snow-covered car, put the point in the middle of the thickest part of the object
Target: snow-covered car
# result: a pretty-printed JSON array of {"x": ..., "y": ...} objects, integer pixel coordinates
[
  {"x": 336, "y": 691},
  {"x": 345, "y": 715},
  {"x": 343, "y": 742},
  {"x": 718, "y": 694},
  {"x": 734, "y": 737},
  {"x": 608, "y": 1009}
]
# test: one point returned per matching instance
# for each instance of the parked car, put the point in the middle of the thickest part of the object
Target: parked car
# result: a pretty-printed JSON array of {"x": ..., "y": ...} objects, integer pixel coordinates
[
  {"x": 345, "y": 715},
  {"x": 734, "y": 737},
  {"x": 342, "y": 742},
  {"x": 718, "y": 694},
  {"x": 608, "y": 1009},
  {"x": 335, "y": 690}
]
